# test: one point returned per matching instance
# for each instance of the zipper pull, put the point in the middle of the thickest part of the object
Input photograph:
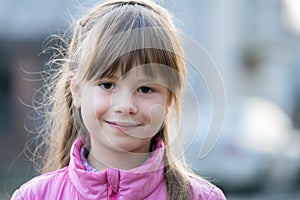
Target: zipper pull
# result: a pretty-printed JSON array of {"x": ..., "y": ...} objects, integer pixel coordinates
[
  {"x": 112, "y": 195},
  {"x": 113, "y": 179}
]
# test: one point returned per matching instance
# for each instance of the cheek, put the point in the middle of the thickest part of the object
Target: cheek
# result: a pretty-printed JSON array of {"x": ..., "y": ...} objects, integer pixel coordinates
[
  {"x": 154, "y": 112},
  {"x": 101, "y": 103},
  {"x": 93, "y": 106},
  {"x": 154, "y": 116},
  {"x": 88, "y": 113}
]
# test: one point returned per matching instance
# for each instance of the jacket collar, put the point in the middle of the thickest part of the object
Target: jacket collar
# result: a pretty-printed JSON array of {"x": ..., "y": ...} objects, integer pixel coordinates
[{"x": 136, "y": 183}]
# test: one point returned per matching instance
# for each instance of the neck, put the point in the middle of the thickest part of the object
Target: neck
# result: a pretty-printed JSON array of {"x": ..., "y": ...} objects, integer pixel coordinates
[{"x": 121, "y": 159}]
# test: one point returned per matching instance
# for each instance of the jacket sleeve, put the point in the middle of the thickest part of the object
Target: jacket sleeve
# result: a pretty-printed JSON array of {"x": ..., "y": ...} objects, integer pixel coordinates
[
  {"x": 203, "y": 190},
  {"x": 216, "y": 194},
  {"x": 17, "y": 195}
]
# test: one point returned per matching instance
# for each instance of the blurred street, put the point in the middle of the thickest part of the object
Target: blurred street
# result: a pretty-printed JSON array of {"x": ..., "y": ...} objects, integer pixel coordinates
[{"x": 265, "y": 196}]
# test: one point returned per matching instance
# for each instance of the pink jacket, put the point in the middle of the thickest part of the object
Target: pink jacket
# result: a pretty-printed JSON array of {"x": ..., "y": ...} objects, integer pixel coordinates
[{"x": 75, "y": 182}]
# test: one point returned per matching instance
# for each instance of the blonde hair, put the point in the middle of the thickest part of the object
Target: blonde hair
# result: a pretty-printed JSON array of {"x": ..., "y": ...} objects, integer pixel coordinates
[{"x": 113, "y": 36}]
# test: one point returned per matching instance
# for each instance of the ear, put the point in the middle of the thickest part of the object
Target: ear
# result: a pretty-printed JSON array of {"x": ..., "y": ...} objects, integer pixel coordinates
[{"x": 76, "y": 93}]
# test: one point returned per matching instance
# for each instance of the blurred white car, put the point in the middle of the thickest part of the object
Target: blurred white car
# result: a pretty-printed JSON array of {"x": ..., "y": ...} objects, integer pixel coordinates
[{"x": 258, "y": 148}]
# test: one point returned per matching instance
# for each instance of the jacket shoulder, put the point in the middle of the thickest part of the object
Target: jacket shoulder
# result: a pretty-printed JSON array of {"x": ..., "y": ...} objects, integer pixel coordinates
[
  {"x": 41, "y": 186},
  {"x": 202, "y": 189}
]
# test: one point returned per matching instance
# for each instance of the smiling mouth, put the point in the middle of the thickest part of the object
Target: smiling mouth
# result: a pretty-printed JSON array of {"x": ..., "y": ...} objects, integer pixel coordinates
[{"x": 122, "y": 125}]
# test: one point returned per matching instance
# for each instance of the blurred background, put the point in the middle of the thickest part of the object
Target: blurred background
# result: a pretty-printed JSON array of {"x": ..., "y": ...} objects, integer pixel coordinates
[{"x": 254, "y": 43}]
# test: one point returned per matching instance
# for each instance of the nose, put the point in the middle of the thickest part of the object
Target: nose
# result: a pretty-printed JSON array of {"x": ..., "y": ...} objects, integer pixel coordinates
[{"x": 124, "y": 102}]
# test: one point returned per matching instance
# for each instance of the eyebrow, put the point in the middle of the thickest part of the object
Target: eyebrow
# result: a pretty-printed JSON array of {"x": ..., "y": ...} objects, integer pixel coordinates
[
  {"x": 146, "y": 79},
  {"x": 114, "y": 77},
  {"x": 150, "y": 81},
  {"x": 140, "y": 80}
]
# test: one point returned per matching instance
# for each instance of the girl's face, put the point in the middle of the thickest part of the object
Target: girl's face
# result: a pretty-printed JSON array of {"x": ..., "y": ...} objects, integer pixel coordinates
[{"x": 124, "y": 112}]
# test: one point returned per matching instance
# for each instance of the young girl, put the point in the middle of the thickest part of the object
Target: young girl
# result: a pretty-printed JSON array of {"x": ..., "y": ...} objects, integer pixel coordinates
[{"x": 113, "y": 95}]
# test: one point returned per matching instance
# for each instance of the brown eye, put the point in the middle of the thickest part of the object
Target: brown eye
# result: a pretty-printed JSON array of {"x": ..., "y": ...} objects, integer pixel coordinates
[
  {"x": 107, "y": 86},
  {"x": 145, "y": 90}
]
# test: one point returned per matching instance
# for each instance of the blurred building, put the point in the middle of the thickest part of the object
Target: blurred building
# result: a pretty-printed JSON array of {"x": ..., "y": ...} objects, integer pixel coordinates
[
  {"x": 251, "y": 43},
  {"x": 24, "y": 26}
]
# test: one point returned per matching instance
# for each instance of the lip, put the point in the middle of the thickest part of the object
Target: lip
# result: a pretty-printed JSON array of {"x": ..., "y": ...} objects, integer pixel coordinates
[{"x": 122, "y": 125}]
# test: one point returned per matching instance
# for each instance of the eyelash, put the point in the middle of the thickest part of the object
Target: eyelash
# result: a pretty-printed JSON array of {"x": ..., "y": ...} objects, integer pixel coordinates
[
  {"x": 107, "y": 85},
  {"x": 149, "y": 90},
  {"x": 111, "y": 86}
]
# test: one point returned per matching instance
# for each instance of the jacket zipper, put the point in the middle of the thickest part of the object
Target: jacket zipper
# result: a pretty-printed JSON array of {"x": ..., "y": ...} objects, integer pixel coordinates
[{"x": 112, "y": 195}]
